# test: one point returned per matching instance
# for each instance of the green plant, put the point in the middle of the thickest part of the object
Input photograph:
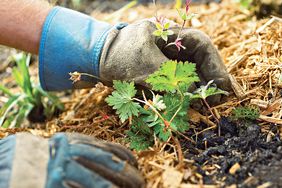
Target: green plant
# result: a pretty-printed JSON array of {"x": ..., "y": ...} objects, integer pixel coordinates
[
  {"x": 178, "y": 4},
  {"x": 162, "y": 26},
  {"x": 245, "y": 113},
  {"x": 162, "y": 115},
  {"x": 140, "y": 136},
  {"x": 246, "y": 4},
  {"x": 163, "y": 30},
  {"x": 204, "y": 92},
  {"x": 32, "y": 98},
  {"x": 76, "y": 3}
]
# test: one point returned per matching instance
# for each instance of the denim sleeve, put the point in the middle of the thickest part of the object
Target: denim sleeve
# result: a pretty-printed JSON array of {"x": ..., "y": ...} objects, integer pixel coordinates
[
  {"x": 7, "y": 150},
  {"x": 70, "y": 41}
]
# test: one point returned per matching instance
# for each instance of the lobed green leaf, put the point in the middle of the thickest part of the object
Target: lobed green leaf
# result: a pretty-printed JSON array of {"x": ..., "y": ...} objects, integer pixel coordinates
[
  {"x": 122, "y": 100},
  {"x": 172, "y": 76},
  {"x": 140, "y": 135}
]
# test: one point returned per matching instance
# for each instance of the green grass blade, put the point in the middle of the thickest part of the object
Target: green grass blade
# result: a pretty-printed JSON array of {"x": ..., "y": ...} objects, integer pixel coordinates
[
  {"x": 18, "y": 77},
  {"x": 118, "y": 13},
  {"x": 13, "y": 101},
  {"x": 6, "y": 91},
  {"x": 8, "y": 121},
  {"x": 21, "y": 73},
  {"x": 53, "y": 98},
  {"x": 178, "y": 4},
  {"x": 23, "y": 63},
  {"x": 26, "y": 75},
  {"x": 22, "y": 114}
]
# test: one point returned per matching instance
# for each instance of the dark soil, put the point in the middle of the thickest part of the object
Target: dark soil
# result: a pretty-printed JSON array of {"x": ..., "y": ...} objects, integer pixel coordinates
[
  {"x": 240, "y": 142},
  {"x": 37, "y": 114}
]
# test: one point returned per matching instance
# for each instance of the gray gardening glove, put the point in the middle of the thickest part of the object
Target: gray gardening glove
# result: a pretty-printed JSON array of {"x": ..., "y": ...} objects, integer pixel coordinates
[
  {"x": 199, "y": 50},
  {"x": 66, "y": 161},
  {"x": 133, "y": 53}
]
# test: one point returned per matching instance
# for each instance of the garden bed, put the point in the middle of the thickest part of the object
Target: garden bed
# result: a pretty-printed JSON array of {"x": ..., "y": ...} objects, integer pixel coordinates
[{"x": 245, "y": 152}]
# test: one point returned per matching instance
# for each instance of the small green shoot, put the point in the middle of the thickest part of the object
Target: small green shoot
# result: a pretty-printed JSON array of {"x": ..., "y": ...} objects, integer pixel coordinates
[
  {"x": 245, "y": 113},
  {"x": 185, "y": 16},
  {"x": 163, "y": 30},
  {"x": 205, "y": 91},
  {"x": 245, "y": 4},
  {"x": 32, "y": 97}
]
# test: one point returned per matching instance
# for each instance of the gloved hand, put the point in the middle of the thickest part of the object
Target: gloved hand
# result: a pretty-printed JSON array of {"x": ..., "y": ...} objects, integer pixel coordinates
[
  {"x": 74, "y": 42},
  {"x": 135, "y": 53},
  {"x": 66, "y": 161},
  {"x": 71, "y": 41},
  {"x": 199, "y": 50}
]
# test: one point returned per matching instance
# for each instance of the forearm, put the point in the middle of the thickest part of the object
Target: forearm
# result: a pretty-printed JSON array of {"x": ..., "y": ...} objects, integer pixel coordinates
[{"x": 21, "y": 23}]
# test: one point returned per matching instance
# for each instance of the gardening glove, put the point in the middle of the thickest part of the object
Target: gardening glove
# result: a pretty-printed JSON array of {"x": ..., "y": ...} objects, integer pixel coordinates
[
  {"x": 198, "y": 48},
  {"x": 134, "y": 53},
  {"x": 66, "y": 161},
  {"x": 71, "y": 41}
]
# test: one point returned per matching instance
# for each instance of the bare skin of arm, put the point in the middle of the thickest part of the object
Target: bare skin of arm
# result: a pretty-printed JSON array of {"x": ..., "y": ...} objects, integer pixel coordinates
[{"x": 21, "y": 23}]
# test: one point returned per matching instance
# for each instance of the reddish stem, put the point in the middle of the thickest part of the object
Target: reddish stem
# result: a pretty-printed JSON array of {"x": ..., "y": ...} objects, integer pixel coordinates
[
  {"x": 213, "y": 115},
  {"x": 183, "y": 24}
]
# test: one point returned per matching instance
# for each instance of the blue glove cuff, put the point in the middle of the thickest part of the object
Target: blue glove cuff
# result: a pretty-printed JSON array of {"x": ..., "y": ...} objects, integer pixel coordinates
[{"x": 70, "y": 41}]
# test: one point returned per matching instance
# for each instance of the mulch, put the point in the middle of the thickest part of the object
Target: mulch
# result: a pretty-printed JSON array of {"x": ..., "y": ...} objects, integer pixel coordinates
[{"x": 252, "y": 52}]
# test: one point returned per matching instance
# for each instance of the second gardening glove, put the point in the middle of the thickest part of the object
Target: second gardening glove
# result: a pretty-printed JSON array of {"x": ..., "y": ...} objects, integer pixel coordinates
[
  {"x": 72, "y": 41},
  {"x": 66, "y": 161}
]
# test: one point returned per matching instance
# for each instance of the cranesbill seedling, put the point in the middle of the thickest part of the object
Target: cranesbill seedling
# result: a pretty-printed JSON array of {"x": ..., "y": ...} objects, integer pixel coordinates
[{"x": 162, "y": 115}]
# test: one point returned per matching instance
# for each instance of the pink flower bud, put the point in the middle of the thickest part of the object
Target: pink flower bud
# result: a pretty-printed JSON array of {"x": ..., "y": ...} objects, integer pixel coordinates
[
  {"x": 188, "y": 5},
  {"x": 178, "y": 44}
]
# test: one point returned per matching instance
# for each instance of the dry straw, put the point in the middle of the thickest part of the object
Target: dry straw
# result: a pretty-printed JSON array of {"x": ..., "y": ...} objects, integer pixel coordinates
[{"x": 252, "y": 51}]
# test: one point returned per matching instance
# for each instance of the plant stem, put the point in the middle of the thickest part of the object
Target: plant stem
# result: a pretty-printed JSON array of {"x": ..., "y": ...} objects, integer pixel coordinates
[
  {"x": 187, "y": 138},
  {"x": 180, "y": 106},
  {"x": 179, "y": 33},
  {"x": 179, "y": 151},
  {"x": 152, "y": 107},
  {"x": 90, "y": 75},
  {"x": 217, "y": 120},
  {"x": 178, "y": 36},
  {"x": 156, "y": 11}
]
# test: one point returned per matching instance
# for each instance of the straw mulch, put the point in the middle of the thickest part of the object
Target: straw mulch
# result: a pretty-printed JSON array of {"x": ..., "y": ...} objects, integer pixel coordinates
[{"x": 252, "y": 51}]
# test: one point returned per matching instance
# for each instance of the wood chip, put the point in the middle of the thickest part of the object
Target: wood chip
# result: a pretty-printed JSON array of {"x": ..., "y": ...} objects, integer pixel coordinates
[
  {"x": 234, "y": 168},
  {"x": 265, "y": 185},
  {"x": 271, "y": 119},
  {"x": 171, "y": 178},
  {"x": 237, "y": 88},
  {"x": 260, "y": 103},
  {"x": 198, "y": 186}
]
